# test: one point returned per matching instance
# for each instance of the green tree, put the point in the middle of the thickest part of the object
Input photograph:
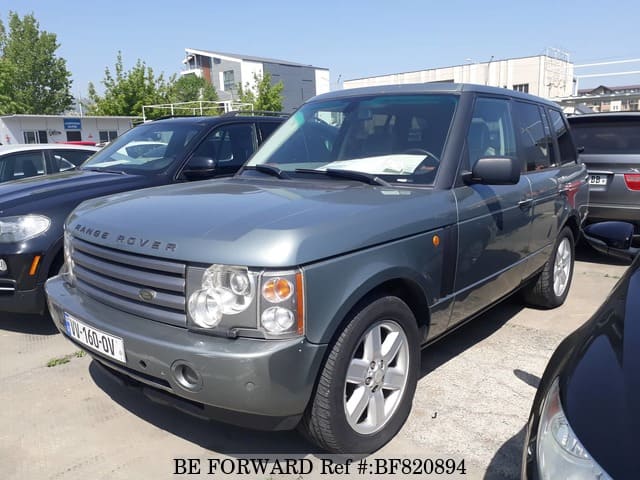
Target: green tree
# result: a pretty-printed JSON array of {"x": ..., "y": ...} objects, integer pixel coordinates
[
  {"x": 34, "y": 79},
  {"x": 125, "y": 92},
  {"x": 7, "y": 103},
  {"x": 191, "y": 88},
  {"x": 264, "y": 95}
]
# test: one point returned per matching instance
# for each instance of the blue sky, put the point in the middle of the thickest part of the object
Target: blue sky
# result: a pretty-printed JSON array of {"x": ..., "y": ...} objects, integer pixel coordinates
[{"x": 352, "y": 38}]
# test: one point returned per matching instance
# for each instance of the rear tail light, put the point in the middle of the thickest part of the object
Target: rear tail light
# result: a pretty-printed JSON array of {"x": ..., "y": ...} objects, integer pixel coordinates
[{"x": 632, "y": 180}]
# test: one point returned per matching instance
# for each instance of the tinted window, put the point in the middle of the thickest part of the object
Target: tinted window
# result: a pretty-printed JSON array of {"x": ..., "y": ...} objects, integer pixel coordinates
[
  {"x": 533, "y": 141},
  {"x": 607, "y": 137},
  {"x": 229, "y": 145},
  {"x": 21, "y": 165},
  {"x": 399, "y": 138},
  {"x": 267, "y": 128},
  {"x": 565, "y": 142},
  {"x": 491, "y": 130}
]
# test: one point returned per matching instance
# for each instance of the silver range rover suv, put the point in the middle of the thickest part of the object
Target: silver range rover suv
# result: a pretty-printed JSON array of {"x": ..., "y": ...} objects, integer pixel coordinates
[{"x": 299, "y": 292}]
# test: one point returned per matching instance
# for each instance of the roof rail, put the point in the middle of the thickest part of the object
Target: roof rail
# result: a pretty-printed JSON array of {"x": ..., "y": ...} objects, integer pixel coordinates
[{"x": 255, "y": 113}]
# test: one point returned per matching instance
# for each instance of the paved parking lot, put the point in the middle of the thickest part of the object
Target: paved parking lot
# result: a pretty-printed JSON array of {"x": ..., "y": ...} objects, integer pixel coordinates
[{"x": 72, "y": 421}]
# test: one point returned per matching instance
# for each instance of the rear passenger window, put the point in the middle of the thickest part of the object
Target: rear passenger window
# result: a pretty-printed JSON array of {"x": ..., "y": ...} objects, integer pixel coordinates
[
  {"x": 267, "y": 128},
  {"x": 534, "y": 142},
  {"x": 491, "y": 131},
  {"x": 565, "y": 142}
]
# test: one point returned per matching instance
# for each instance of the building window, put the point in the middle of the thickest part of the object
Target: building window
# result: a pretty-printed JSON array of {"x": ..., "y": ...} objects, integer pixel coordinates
[
  {"x": 35, "y": 136},
  {"x": 521, "y": 87},
  {"x": 229, "y": 80},
  {"x": 107, "y": 135}
]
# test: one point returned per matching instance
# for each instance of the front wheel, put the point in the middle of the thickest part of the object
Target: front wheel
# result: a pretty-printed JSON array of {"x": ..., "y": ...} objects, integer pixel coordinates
[
  {"x": 551, "y": 287},
  {"x": 365, "y": 390}
]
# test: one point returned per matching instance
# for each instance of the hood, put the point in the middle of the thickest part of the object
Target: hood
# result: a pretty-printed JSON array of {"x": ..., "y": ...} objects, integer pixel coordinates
[
  {"x": 18, "y": 196},
  {"x": 602, "y": 387},
  {"x": 260, "y": 223}
]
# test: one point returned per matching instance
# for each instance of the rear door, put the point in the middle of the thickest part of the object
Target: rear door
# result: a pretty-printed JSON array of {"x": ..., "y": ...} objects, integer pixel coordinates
[
  {"x": 611, "y": 152},
  {"x": 536, "y": 148}
]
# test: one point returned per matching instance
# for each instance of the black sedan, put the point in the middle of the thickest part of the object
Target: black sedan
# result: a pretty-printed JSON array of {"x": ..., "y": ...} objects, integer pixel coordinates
[
  {"x": 33, "y": 210},
  {"x": 585, "y": 420}
]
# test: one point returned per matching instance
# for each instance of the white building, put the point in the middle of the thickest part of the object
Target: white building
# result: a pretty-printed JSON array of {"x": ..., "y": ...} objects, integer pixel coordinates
[
  {"x": 228, "y": 70},
  {"x": 549, "y": 75},
  {"x": 58, "y": 128}
]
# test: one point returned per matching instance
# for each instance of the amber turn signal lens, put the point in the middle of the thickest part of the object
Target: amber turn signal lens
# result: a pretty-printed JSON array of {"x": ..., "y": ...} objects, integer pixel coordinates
[
  {"x": 277, "y": 290},
  {"x": 436, "y": 240},
  {"x": 34, "y": 265}
]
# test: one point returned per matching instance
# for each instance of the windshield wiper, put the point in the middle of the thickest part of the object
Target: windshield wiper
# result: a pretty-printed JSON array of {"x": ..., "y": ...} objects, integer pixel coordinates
[
  {"x": 105, "y": 170},
  {"x": 348, "y": 174},
  {"x": 270, "y": 170}
]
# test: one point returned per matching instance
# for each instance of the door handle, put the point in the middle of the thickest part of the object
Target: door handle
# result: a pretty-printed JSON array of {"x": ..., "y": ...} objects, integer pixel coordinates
[{"x": 525, "y": 204}]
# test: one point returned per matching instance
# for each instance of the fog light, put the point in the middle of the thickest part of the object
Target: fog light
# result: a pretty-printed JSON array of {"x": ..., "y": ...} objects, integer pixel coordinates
[{"x": 3, "y": 266}]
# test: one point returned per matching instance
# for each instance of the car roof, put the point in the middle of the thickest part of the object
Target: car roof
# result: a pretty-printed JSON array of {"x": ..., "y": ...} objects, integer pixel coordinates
[
  {"x": 430, "y": 87},
  {"x": 22, "y": 147},
  {"x": 596, "y": 117},
  {"x": 221, "y": 118}
]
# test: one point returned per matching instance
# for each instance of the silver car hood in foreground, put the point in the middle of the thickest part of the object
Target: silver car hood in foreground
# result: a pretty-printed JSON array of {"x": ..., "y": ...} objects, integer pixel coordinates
[{"x": 270, "y": 223}]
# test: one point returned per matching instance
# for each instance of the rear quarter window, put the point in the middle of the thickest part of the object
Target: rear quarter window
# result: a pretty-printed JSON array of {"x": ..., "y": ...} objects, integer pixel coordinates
[{"x": 607, "y": 137}]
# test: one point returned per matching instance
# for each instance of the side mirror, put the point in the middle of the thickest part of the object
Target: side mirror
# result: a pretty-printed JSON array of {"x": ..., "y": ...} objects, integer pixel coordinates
[
  {"x": 495, "y": 171},
  {"x": 199, "y": 168},
  {"x": 612, "y": 238}
]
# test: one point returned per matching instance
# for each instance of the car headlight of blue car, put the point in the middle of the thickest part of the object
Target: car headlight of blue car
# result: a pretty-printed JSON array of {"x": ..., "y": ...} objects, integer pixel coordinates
[{"x": 560, "y": 453}]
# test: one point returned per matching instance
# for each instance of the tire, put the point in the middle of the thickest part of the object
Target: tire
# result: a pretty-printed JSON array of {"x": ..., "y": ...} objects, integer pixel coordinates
[
  {"x": 357, "y": 377},
  {"x": 551, "y": 287}
]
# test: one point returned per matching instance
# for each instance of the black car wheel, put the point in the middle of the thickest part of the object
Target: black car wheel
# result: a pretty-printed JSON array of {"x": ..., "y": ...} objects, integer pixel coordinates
[
  {"x": 551, "y": 287},
  {"x": 365, "y": 390}
]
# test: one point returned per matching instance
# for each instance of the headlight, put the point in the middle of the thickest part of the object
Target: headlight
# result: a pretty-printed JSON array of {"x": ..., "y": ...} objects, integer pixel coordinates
[
  {"x": 69, "y": 266},
  {"x": 234, "y": 301},
  {"x": 23, "y": 227},
  {"x": 560, "y": 453},
  {"x": 225, "y": 290}
]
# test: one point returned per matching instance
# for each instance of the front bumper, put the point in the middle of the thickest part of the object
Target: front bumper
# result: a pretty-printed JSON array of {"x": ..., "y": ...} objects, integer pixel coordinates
[
  {"x": 22, "y": 301},
  {"x": 271, "y": 379},
  {"x": 20, "y": 290}
]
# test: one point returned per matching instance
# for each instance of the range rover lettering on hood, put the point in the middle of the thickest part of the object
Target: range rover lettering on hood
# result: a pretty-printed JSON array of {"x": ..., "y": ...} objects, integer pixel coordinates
[{"x": 88, "y": 232}]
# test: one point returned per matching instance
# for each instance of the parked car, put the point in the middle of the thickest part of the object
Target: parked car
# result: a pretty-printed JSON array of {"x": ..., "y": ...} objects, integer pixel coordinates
[
  {"x": 299, "y": 292},
  {"x": 33, "y": 210},
  {"x": 25, "y": 161},
  {"x": 585, "y": 417},
  {"x": 611, "y": 143}
]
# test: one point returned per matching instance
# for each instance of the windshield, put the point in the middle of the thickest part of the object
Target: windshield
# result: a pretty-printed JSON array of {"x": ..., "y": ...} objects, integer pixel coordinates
[
  {"x": 399, "y": 138},
  {"x": 148, "y": 148}
]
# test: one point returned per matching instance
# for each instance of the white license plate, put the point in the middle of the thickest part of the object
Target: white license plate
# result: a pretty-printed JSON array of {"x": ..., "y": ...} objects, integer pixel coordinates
[
  {"x": 112, "y": 347},
  {"x": 597, "y": 179}
]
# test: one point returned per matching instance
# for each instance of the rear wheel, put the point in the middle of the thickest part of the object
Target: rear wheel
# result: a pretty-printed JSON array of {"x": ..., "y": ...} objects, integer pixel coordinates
[
  {"x": 551, "y": 287},
  {"x": 366, "y": 387}
]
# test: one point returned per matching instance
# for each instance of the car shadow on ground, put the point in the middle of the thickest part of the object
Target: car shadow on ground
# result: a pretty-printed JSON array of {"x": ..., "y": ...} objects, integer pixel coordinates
[
  {"x": 236, "y": 441},
  {"x": 211, "y": 435},
  {"x": 502, "y": 464},
  {"x": 469, "y": 334},
  {"x": 31, "y": 324}
]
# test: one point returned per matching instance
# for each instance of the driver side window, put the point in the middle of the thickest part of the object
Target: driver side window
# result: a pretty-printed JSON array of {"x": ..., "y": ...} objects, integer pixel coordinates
[{"x": 491, "y": 131}]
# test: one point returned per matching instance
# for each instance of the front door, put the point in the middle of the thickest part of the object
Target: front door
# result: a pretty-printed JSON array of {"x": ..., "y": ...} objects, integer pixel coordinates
[{"x": 494, "y": 220}]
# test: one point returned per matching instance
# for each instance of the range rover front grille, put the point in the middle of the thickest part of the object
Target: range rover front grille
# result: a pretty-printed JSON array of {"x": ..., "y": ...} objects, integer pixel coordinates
[{"x": 145, "y": 286}]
